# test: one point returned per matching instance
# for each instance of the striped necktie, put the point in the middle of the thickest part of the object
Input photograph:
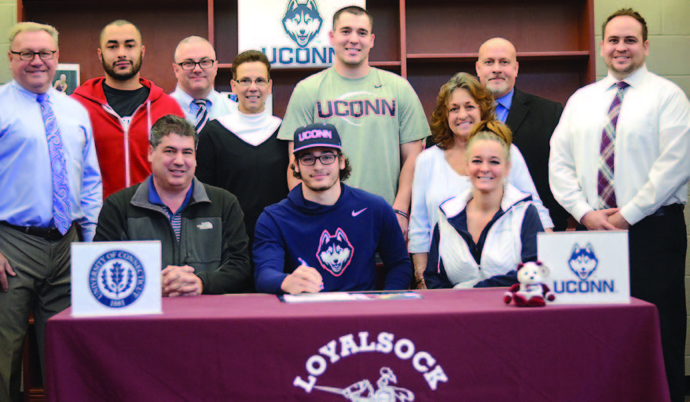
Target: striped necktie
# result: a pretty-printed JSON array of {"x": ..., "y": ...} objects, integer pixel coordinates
[
  {"x": 201, "y": 114},
  {"x": 61, "y": 207},
  {"x": 607, "y": 195}
]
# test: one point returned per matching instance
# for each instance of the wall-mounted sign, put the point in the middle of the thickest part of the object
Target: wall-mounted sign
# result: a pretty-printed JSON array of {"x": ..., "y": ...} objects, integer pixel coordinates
[{"x": 292, "y": 33}]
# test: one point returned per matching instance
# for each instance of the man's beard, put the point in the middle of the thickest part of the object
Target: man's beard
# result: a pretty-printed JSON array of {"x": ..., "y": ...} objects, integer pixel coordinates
[
  {"x": 125, "y": 75},
  {"x": 497, "y": 89},
  {"x": 320, "y": 187}
]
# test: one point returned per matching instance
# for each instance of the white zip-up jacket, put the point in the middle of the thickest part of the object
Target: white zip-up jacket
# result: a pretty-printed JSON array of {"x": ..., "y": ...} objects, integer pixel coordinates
[{"x": 509, "y": 238}]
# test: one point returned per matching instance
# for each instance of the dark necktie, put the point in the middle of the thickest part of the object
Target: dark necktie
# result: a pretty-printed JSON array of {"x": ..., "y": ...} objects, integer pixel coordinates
[
  {"x": 61, "y": 207},
  {"x": 607, "y": 195}
]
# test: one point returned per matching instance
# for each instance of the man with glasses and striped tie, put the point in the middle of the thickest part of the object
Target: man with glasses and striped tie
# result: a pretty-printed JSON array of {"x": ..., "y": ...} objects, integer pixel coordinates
[
  {"x": 620, "y": 159},
  {"x": 51, "y": 194},
  {"x": 123, "y": 107},
  {"x": 195, "y": 68},
  {"x": 324, "y": 236}
]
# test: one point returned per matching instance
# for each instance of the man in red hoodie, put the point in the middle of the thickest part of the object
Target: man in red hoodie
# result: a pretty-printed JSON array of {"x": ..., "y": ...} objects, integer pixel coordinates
[{"x": 123, "y": 107}]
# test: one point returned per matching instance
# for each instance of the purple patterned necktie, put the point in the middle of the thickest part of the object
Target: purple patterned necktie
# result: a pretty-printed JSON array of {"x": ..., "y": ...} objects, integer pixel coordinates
[
  {"x": 61, "y": 208},
  {"x": 607, "y": 195}
]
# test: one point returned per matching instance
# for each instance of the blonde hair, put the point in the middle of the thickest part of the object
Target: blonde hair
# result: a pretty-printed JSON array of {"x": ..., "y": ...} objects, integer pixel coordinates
[
  {"x": 33, "y": 27},
  {"x": 492, "y": 130}
]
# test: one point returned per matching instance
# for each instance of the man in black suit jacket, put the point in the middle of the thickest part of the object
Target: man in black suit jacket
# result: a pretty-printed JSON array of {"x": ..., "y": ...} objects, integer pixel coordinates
[{"x": 531, "y": 118}]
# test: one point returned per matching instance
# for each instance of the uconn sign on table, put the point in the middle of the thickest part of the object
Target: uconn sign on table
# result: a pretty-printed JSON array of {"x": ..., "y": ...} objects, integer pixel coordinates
[{"x": 587, "y": 267}]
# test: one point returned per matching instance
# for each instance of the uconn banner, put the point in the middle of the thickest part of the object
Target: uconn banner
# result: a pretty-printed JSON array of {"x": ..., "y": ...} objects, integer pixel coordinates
[
  {"x": 587, "y": 266},
  {"x": 292, "y": 33}
]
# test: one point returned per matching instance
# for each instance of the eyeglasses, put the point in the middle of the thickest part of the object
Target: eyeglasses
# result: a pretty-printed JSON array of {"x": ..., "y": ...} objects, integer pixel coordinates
[
  {"x": 245, "y": 82},
  {"x": 27, "y": 55},
  {"x": 325, "y": 159},
  {"x": 205, "y": 64}
]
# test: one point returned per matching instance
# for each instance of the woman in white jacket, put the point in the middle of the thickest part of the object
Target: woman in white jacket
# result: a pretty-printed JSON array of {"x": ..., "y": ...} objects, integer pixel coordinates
[
  {"x": 483, "y": 233},
  {"x": 440, "y": 170}
]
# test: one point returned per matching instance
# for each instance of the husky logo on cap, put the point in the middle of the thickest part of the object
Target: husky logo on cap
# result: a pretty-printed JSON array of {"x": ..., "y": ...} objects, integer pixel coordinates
[
  {"x": 302, "y": 22},
  {"x": 335, "y": 252}
]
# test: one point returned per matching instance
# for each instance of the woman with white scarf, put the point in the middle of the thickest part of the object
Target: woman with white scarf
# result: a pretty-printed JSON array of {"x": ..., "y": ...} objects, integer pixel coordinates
[{"x": 241, "y": 152}]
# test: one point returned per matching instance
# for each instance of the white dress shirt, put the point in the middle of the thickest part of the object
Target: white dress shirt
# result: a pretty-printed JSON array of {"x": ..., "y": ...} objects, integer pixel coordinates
[{"x": 652, "y": 151}]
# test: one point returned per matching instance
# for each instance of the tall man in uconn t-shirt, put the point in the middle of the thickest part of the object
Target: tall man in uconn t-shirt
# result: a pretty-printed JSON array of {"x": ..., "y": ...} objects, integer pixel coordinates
[
  {"x": 123, "y": 107},
  {"x": 325, "y": 235},
  {"x": 377, "y": 113}
]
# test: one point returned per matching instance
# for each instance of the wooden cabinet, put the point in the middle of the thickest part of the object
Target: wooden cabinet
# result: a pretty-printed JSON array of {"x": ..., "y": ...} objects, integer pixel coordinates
[{"x": 426, "y": 41}]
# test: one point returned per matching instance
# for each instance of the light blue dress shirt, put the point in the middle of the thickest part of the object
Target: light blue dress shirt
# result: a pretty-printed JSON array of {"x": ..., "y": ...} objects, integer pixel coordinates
[
  {"x": 218, "y": 105},
  {"x": 25, "y": 174},
  {"x": 503, "y": 105}
]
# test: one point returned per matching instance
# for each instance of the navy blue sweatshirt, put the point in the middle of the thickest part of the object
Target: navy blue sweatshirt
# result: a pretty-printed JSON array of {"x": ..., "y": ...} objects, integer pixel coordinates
[{"x": 340, "y": 241}]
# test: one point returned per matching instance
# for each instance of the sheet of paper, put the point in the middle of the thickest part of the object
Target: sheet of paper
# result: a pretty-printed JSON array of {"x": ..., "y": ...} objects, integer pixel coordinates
[{"x": 348, "y": 296}]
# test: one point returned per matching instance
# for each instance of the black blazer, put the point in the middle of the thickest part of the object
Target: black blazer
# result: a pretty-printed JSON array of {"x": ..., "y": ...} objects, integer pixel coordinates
[{"x": 533, "y": 120}]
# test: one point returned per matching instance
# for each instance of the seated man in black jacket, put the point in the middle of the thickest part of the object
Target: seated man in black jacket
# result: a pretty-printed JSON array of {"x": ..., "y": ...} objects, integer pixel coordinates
[{"x": 201, "y": 227}]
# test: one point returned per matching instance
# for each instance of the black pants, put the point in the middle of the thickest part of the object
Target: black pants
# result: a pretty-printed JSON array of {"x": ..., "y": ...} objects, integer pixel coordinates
[{"x": 658, "y": 246}]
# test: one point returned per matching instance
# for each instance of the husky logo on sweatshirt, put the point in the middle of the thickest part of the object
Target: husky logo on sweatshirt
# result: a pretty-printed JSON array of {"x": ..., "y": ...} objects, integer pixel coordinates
[
  {"x": 302, "y": 22},
  {"x": 335, "y": 252}
]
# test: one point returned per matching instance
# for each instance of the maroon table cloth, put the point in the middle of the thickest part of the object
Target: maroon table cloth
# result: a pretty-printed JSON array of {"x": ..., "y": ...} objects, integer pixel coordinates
[{"x": 449, "y": 346}]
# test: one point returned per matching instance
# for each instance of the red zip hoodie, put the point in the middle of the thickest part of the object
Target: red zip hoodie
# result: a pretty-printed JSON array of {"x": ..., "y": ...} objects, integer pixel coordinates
[{"x": 123, "y": 155}]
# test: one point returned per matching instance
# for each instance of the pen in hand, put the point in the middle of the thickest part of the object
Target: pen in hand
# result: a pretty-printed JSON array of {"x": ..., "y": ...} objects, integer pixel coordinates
[{"x": 302, "y": 262}]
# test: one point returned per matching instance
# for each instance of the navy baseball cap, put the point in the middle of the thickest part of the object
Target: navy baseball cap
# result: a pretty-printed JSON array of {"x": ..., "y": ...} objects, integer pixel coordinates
[{"x": 316, "y": 135}]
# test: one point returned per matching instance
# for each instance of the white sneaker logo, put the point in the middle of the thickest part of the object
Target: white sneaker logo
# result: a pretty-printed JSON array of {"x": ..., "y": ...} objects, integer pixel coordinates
[{"x": 354, "y": 214}]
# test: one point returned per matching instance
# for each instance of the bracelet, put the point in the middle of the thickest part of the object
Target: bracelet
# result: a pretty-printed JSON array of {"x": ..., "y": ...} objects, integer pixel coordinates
[{"x": 401, "y": 213}]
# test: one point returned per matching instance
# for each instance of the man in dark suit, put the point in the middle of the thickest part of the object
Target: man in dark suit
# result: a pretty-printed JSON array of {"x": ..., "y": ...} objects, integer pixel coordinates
[{"x": 531, "y": 118}]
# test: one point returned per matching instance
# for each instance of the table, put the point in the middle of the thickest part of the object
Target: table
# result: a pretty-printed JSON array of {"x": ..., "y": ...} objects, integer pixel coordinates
[{"x": 453, "y": 345}]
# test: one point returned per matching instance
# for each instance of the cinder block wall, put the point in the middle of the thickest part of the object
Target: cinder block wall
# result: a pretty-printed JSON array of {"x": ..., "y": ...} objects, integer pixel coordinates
[
  {"x": 669, "y": 56},
  {"x": 8, "y": 17}
]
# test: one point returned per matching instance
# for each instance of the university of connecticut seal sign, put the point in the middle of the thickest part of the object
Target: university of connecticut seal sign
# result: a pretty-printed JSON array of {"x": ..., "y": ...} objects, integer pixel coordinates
[{"x": 117, "y": 279}]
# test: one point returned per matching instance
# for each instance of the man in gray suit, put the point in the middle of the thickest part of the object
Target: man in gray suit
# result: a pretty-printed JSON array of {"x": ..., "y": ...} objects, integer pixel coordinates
[{"x": 531, "y": 118}]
